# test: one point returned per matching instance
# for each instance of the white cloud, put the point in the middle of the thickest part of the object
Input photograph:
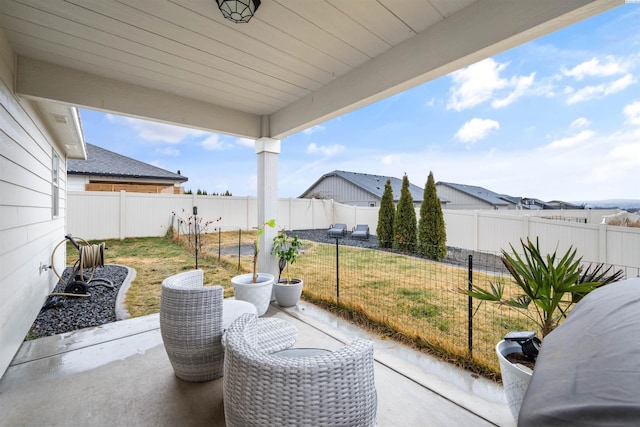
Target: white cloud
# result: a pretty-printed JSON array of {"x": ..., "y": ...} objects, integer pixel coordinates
[
  {"x": 155, "y": 131},
  {"x": 476, "y": 129},
  {"x": 325, "y": 150},
  {"x": 313, "y": 129},
  {"x": 604, "y": 89},
  {"x": 390, "y": 159},
  {"x": 521, "y": 84},
  {"x": 246, "y": 142},
  {"x": 627, "y": 153},
  {"x": 580, "y": 122},
  {"x": 214, "y": 143},
  {"x": 595, "y": 68},
  {"x": 571, "y": 141},
  {"x": 632, "y": 113},
  {"x": 475, "y": 84},
  {"x": 482, "y": 81},
  {"x": 620, "y": 164}
]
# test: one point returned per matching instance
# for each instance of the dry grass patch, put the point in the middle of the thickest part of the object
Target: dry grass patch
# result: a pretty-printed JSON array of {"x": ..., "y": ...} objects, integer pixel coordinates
[
  {"x": 154, "y": 259},
  {"x": 409, "y": 296}
]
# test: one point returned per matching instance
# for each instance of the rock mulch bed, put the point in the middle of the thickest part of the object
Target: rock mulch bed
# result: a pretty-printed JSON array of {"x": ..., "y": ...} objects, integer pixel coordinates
[{"x": 64, "y": 314}]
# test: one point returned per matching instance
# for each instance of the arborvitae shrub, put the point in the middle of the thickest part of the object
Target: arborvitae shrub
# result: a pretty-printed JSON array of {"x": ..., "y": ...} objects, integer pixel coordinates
[
  {"x": 432, "y": 235},
  {"x": 386, "y": 214},
  {"x": 404, "y": 225}
]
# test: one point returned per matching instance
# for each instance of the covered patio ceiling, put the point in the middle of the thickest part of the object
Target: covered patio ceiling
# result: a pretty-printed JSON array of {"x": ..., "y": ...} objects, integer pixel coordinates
[{"x": 295, "y": 64}]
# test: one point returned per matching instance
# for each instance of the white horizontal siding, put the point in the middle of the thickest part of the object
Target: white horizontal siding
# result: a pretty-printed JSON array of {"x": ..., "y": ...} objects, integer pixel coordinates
[
  {"x": 459, "y": 200},
  {"x": 343, "y": 191},
  {"x": 28, "y": 232},
  {"x": 76, "y": 182}
]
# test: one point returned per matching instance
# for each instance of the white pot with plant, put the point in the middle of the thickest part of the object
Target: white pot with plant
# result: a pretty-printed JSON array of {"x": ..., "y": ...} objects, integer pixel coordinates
[
  {"x": 548, "y": 287},
  {"x": 255, "y": 287},
  {"x": 287, "y": 289}
]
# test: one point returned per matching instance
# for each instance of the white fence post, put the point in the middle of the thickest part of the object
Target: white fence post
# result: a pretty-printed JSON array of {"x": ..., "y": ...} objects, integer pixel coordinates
[
  {"x": 525, "y": 227},
  {"x": 123, "y": 215},
  {"x": 602, "y": 243}
]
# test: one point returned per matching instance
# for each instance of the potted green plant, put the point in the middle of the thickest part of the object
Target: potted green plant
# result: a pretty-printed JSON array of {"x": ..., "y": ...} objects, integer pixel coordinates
[
  {"x": 287, "y": 290},
  {"x": 255, "y": 287},
  {"x": 547, "y": 288}
]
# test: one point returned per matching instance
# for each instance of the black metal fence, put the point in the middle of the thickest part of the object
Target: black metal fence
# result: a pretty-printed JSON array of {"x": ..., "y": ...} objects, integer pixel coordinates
[
  {"x": 416, "y": 298},
  {"x": 412, "y": 296}
]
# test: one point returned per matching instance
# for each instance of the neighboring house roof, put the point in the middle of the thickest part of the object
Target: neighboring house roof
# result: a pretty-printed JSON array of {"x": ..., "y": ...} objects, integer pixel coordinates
[
  {"x": 559, "y": 204},
  {"x": 101, "y": 162},
  {"x": 483, "y": 194},
  {"x": 532, "y": 203},
  {"x": 373, "y": 184}
]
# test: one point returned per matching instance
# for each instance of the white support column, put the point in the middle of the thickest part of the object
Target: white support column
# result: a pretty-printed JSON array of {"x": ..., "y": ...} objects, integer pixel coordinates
[{"x": 267, "y": 150}]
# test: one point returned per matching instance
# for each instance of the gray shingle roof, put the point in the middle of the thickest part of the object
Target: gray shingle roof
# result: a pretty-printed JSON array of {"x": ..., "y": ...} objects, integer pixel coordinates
[
  {"x": 374, "y": 184},
  {"x": 482, "y": 194},
  {"x": 107, "y": 163}
]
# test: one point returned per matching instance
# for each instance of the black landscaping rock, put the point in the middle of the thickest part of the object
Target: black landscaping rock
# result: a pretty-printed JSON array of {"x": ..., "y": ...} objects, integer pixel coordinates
[{"x": 64, "y": 314}]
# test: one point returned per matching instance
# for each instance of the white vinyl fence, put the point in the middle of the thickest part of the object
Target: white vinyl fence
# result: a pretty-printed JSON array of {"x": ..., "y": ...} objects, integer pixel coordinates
[{"x": 102, "y": 215}]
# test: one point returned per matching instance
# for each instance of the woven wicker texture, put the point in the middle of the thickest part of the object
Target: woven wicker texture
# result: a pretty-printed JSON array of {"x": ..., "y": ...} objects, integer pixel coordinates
[
  {"x": 261, "y": 389},
  {"x": 191, "y": 326}
]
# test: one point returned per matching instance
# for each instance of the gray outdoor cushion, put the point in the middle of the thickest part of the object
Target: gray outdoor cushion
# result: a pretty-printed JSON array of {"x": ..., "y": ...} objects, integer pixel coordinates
[{"x": 588, "y": 370}]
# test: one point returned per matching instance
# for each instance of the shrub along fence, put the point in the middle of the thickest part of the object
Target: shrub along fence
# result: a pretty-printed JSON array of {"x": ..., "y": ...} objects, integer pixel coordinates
[{"x": 413, "y": 297}]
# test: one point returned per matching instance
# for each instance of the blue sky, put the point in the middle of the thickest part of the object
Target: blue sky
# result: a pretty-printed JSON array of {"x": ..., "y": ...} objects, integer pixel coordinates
[{"x": 556, "y": 119}]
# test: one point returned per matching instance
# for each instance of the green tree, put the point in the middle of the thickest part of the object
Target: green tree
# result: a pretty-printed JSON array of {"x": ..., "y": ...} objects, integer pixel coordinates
[
  {"x": 404, "y": 224},
  {"x": 432, "y": 235},
  {"x": 386, "y": 214}
]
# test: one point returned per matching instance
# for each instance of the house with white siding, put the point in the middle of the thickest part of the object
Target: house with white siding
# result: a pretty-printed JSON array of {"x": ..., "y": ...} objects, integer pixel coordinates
[{"x": 38, "y": 139}]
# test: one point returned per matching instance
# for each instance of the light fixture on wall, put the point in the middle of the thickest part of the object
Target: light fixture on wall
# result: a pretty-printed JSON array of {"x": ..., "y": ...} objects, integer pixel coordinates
[{"x": 238, "y": 10}]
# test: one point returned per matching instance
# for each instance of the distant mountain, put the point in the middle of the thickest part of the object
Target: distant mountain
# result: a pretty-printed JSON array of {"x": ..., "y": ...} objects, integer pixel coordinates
[{"x": 630, "y": 205}]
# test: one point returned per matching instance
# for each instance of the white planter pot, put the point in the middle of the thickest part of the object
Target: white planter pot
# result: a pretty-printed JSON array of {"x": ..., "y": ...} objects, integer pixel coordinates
[
  {"x": 258, "y": 294},
  {"x": 287, "y": 295},
  {"x": 515, "y": 378}
]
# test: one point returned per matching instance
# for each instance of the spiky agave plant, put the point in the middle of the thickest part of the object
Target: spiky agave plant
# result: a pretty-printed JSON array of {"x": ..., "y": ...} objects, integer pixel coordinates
[{"x": 549, "y": 283}]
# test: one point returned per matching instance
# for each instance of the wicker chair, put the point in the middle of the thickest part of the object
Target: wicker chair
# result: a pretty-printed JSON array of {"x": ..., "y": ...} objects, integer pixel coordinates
[
  {"x": 192, "y": 323},
  {"x": 264, "y": 389}
]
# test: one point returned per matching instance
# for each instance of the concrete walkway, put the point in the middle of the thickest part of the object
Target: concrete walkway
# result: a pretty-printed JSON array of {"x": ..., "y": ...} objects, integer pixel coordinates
[{"x": 119, "y": 375}]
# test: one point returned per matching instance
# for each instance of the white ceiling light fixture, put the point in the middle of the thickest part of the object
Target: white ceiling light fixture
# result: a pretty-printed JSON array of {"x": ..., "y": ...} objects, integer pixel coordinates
[{"x": 238, "y": 10}]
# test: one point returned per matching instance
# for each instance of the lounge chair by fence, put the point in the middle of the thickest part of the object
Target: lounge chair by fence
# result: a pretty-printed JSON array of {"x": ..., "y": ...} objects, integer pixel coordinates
[
  {"x": 337, "y": 230},
  {"x": 361, "y": 231}
]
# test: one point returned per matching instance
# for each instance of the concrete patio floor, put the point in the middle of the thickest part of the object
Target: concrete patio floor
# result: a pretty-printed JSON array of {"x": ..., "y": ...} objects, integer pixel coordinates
[{"x": 118, "y": 374}]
